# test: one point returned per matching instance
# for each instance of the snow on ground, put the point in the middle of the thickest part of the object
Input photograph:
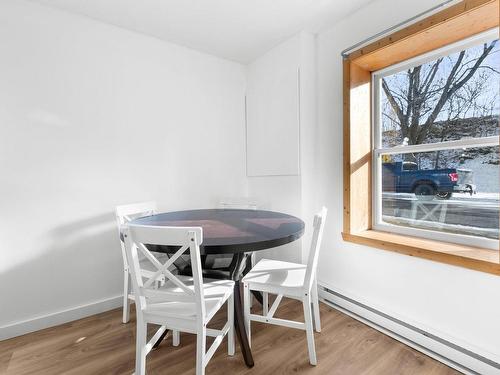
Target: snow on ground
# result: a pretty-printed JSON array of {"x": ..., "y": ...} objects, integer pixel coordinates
[
  {"x": 479, "y": 197},
  {"x": 487, "y": 198},
  {"x": 486, "y": 176}
]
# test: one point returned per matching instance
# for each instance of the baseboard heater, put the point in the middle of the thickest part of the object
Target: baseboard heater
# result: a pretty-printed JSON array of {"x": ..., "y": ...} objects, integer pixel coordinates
[{"x": 453, "y": 355}]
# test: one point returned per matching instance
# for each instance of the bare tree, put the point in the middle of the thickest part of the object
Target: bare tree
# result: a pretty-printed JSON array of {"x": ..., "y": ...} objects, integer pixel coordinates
[{"x": 419, "y": 100}]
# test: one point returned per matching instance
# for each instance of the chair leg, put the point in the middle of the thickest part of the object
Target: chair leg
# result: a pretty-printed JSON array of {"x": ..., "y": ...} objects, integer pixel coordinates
[
  {"x": 265, "y": 303},
  {"x": 140, "y": 348},
  {"x": 309, "y": 329},
  {"x": 201, "y": 343},
  {"x": 315, "y": 303},
  {"x": 176, "y": 338},
  {"x": 252, "y": 262},
  {"x": 126, "y": 300},
  {"x": 230, "y": 320},
  {"x": 246, "y": 307}
]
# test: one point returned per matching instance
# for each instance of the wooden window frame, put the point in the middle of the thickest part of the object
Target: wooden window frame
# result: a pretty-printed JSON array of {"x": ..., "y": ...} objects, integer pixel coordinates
[{"x": 460, "y": 21}]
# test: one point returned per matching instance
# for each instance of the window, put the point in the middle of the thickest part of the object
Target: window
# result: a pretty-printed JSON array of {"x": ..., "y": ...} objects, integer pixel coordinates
[
  {"x": 436, "y": 161},
  {"x": 420, "y": 134}
]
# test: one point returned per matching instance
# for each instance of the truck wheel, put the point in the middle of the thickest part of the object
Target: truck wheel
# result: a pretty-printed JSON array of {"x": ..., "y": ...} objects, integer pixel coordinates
[
  {"x": 444, "y": 195},
  {"x": 424, "y": 192}
]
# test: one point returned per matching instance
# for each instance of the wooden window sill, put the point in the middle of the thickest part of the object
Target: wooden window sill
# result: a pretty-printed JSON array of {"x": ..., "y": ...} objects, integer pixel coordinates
[{"x": 475, "y": 258}]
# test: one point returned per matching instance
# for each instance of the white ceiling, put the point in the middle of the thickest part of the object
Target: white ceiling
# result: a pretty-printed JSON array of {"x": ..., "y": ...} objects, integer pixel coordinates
[{"x": 239, "y": 30}]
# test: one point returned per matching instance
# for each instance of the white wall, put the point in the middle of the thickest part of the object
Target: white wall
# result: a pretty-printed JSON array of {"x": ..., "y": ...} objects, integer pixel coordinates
[
  {"x": 280, "y": 126},
  {"x": 455, "y": 303},
  {"x": 92, "y": 116}
]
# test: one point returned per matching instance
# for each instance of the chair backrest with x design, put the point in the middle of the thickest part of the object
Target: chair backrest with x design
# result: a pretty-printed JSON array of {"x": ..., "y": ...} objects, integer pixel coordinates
[
  {"x": 312, "y": 263},
  {"x": 238, "y": 203},
  {"x": 128, "y": 212},
  {"x": 188, "y": 239}
]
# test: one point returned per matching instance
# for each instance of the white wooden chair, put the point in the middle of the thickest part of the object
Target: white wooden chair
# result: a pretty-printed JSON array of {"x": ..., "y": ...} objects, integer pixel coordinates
[
  {"x": 238, "y": 203},
  {"x": 183, "y": 303},
  {"x": 124, "y": 214},
  {"x": 242, "y": 203},
  {"x": 293, "y": 280}
]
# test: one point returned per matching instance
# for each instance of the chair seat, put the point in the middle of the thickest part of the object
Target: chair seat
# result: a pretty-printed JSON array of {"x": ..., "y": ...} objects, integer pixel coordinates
[
  {"x": 277, "y": 276},
  {"x": 216, "y": 293}
]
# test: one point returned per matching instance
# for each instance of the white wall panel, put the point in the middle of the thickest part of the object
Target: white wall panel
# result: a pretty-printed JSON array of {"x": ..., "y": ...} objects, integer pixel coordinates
[{"x": 272, "y": 103}]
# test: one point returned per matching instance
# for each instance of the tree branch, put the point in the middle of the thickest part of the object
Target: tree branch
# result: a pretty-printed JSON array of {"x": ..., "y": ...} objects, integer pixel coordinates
[
  {"x": 394, "y": 105},
  {"x": 451, "y": 87}
]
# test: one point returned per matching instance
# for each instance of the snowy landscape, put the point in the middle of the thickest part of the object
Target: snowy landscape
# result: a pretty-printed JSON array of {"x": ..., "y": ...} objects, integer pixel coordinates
[{"x": 463, "y": 213}]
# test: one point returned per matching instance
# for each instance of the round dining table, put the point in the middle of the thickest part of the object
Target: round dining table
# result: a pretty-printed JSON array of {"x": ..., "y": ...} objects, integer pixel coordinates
[{"x": 234, "y": 232}]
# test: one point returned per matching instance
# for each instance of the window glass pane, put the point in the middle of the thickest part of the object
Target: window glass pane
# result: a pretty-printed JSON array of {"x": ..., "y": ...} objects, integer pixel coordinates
[
  {"x": 452, "y": 191},
  {"x": 449, "y": 98}
]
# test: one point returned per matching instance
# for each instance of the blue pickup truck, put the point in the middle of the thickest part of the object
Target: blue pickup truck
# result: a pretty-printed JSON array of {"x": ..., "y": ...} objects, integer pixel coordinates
[{"x": 406, "y": 177}]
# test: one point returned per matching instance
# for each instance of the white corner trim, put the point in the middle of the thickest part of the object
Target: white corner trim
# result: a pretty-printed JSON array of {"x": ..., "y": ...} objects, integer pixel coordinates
[
  {"x": 60, "y": 317},
  {"x": 432, "y": 344}
]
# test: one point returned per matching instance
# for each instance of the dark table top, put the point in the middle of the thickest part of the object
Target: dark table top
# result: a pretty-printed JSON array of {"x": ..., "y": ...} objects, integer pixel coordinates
[{"x": 227, "y": 231}]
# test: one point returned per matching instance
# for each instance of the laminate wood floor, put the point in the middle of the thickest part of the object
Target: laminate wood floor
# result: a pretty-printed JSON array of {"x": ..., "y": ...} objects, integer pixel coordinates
[{"x": 101, "y": 344}]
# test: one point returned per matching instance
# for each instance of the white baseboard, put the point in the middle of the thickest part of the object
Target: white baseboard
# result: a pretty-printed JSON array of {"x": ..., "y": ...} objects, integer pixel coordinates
[
  {"x": 444, "y": 350},
  {"x": 60, "y": 317}
]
